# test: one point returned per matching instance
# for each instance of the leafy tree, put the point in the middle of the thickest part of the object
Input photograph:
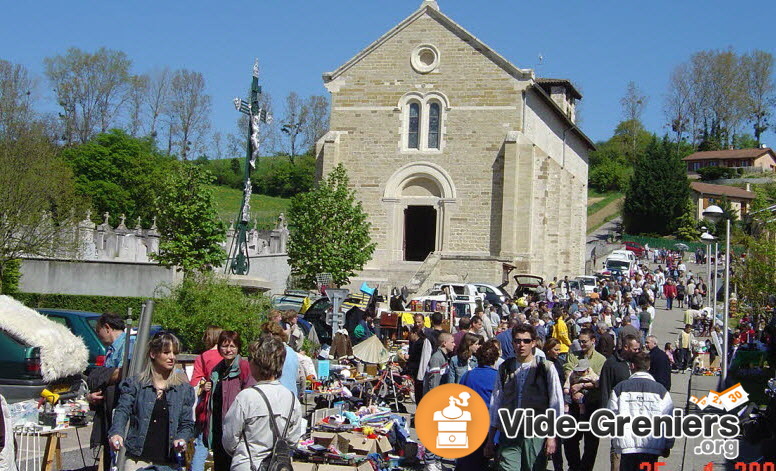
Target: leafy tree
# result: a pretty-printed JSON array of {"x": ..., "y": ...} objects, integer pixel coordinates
[
  {"x": 278, "y": 177},
  {"x": 610, "y": 176},
  {"x": 330, "y": 231},
  {"x": 658, "y": 191},
  {"x": 188, "y": 109},
  {"x": 715, "y": 173},
  {"x": 687, "y": 224},
  {"x": 191, "y": 232},
  {"x": 91, "y": 88},
  {"x": 633, "y": 104},
  {"x": 204, "y": 299},
  {"x": 38, "y": 205},
  {"x": 119, "y": 174},
  {"x": 755, "y": 277}
]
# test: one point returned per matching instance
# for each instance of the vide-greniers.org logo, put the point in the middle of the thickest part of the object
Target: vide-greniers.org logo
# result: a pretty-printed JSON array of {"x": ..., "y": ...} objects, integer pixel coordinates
[{"x": 604, "y": 423}]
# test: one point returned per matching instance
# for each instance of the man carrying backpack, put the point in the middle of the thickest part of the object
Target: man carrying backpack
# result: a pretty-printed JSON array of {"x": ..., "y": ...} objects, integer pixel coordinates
[{"x": 525, "y": 382}]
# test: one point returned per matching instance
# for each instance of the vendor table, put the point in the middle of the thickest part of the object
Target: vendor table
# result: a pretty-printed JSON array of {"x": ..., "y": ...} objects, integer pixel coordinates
[{"x": 53, "y": 450}]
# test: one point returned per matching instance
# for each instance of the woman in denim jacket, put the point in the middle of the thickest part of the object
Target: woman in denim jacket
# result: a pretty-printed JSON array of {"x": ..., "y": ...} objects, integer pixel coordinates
[
  {"x": 464, "y": 360},
  {"x": 158, "y": 404}
]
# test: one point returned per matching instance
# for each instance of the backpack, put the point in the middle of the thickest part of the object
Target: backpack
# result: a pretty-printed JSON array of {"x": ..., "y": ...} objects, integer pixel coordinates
[
  {"x": 280, "y": 457},
  {"x": 510, "y": 366}
]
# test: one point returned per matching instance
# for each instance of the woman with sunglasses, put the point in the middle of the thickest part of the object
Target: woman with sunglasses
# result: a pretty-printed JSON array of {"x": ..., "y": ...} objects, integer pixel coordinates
[{"x": 158, "y": 404}]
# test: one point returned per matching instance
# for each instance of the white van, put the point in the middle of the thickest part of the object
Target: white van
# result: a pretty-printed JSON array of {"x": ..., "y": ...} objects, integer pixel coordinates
[
  {"x": 625, "y": 253},
  {"x": 620, "y": 263}
]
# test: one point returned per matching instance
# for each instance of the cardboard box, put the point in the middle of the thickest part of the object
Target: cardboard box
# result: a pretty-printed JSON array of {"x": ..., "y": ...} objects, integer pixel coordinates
[
  {"x": 365, "y": 466},
  {"x": 302, "y": 466},
  {"x": 328, "y": 439},
  {"x": 361, "y": 445}
]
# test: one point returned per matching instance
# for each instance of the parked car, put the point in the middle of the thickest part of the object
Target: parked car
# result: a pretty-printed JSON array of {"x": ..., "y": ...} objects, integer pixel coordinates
[
  {"x": 636, "y": 248},
  {"x": 466, "y": 297},
  {"x": 526, "y": 284},
  {"x": 588, "y": 283},
  {"x": 84, "y": 325},
  {"x": 493, "y": 294},
  {"x": 36, "y": 354}
]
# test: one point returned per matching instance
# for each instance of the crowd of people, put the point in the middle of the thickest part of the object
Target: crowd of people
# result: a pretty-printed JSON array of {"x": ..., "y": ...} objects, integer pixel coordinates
[
  {"x": 591, "y": 350},
  {"x": 233, "y": 407}
]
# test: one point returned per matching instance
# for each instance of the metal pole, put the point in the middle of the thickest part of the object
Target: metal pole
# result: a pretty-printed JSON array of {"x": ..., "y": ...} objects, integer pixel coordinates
[
  {"x": 708, "y": 270},
  {"x": 714, "y": 293},
  {"x": 727, "y": 306}
]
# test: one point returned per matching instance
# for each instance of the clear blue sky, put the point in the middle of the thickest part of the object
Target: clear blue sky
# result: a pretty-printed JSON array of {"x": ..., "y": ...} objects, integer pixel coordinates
[{"x": 599, "y": 45}]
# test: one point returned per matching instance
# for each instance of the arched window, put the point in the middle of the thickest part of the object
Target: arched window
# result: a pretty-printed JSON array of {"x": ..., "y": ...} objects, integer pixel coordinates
[
  {"x": 413, "y": 136},
  {"x": 433, "y": 126}
]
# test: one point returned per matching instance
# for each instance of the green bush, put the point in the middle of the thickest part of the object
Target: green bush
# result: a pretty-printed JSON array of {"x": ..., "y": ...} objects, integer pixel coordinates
[
  {"x": 609, "y": 176},
  {"x": 202, "y": 300},
  {"x": 115, "y": 304},
  {"x": 716, "y": 173},
  {"x": 279, "y": 177},
  {"x": 10, "y": 276}
]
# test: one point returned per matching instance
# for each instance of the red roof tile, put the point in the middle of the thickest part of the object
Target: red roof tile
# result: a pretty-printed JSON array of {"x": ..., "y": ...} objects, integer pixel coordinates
[
  {"x": 730, "y": 154},
  {"x": 722, "y": 190}
]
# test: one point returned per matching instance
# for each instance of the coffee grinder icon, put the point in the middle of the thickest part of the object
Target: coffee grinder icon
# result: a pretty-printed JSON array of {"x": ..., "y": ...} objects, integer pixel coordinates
[{"x": 452, "y": 423}]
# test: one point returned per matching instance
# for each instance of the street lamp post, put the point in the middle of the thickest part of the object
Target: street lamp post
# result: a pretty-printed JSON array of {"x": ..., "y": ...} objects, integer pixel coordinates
[
  {"x": 707, "y": 239},
  {"x": 715, "y": 214}
]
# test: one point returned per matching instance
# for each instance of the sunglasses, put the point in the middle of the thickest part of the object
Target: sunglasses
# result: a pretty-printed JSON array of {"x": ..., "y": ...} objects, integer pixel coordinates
[{"x": 523, "y": 341}]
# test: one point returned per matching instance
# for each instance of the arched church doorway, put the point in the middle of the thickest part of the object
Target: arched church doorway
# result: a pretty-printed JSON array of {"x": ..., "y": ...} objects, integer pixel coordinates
[
  {"x": 418, "y": 197},
  {"x": 419, "y": 232}
]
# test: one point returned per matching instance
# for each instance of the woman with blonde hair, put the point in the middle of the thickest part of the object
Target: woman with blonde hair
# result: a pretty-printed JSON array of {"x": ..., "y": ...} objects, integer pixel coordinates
[
  {"x": 290, "y": 374},
  {"x": 158, "y": 405}
]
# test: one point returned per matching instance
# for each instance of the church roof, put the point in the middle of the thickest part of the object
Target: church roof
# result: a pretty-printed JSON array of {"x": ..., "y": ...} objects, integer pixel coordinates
[
  {"x": 430, "y": 8},
  {"x": 562, "y": 82}
]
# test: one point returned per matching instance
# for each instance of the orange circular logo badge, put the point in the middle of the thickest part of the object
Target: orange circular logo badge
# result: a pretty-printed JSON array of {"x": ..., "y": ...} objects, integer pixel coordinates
[{"x": 452, "y": 421}]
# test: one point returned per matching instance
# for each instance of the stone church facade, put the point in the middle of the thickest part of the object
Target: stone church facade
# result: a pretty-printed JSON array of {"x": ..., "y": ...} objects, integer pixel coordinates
[{"x": 463, "y": 161}]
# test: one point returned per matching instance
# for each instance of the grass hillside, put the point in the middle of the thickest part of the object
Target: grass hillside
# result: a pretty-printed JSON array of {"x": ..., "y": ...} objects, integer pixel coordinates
[{"x": 265, "y": 208}]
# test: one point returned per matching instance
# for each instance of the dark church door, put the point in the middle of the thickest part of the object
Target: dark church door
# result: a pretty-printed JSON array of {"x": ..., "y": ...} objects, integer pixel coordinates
[{"x": 419, "y": 232}]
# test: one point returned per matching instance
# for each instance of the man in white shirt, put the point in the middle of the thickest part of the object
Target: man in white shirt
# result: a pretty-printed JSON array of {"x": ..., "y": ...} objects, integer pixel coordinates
[{"x": 517, "y": 387}]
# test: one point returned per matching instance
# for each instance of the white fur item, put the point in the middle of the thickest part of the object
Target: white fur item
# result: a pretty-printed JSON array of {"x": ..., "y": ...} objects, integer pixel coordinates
[{"x": 62, "y": 353}]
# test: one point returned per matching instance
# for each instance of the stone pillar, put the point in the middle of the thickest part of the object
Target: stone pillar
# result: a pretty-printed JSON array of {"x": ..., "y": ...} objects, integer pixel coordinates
[
  {"x": 328, "y": 153},
  {"x": 86, "y": 236},
  {"x": 537, "y": 228},
  {"x": 517, "y": 204},
  {"x": 567, "y": 232},
  {"x": 552, "y": 225}
]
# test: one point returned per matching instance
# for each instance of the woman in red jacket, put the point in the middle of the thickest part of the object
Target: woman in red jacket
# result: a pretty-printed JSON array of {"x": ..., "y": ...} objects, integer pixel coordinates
[
  {"x": 669, "y": 291},
  {"x": 200, "y": 379}
]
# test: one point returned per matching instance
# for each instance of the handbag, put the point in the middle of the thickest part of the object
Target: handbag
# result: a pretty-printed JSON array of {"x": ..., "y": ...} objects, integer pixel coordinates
[{"x": 280, "y": 458}]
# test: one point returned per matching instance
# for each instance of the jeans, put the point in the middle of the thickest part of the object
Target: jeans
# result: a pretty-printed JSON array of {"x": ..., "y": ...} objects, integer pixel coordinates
[
  {"x": 200, "y": 454},
  {"x": 589, "y": 448},
  {"x": 669, "y": 303}
]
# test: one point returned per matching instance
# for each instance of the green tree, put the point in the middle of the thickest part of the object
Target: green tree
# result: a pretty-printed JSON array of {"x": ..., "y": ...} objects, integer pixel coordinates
[
  {"x": 92, "y": 89},
  {"x": 204, "y": 299},
  {"x": 330, "y": 231},
  {"x": 755, "y": 277},
  {"x": 687, "y": 224},
  {"x": 38, "y": 205},
  {"x": 120, "y": 174},
  {"x": 191, "y": 232},
  {"x": 658, "y": 191}
]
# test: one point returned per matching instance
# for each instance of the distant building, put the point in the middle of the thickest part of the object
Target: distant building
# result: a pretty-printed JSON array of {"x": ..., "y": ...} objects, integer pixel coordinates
[
  {"x": 463, "y": 161},
  {"x": 706, "y": 194},
  {"x": 762, "y": 159}
]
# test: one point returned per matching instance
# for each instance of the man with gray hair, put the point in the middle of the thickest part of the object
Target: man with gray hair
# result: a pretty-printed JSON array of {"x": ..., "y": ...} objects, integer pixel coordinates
[
  {"x": 605, "y": 343},
  {"x": 659, "y": 364}
]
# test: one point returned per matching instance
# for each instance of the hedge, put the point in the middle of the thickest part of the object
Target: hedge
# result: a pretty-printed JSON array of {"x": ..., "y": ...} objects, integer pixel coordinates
[{"x": 100, "y": 304}]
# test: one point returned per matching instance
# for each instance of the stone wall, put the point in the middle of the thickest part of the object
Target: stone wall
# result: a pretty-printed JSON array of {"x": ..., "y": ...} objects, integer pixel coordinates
[{"x": 510, "y": 173}]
